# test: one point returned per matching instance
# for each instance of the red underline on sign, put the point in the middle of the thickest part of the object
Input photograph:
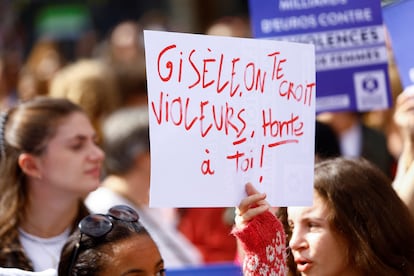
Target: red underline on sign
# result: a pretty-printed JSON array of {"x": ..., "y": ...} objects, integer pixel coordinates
[
  {"x": 283, "y": 142},
  {"x": 239, "y": 141}
]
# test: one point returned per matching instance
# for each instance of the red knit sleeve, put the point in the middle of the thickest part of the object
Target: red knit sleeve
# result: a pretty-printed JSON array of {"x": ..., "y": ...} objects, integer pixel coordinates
[{"x": 263, "y": 242}]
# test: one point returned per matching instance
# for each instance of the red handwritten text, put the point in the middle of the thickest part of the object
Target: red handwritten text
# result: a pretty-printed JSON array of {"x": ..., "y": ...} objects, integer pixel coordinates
[
  {"x": 223, "y": 118},
  {"x": 211, "y": 71}
]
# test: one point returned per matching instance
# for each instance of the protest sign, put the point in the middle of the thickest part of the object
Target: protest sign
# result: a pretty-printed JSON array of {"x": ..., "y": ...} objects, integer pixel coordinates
[
  {"x": 225, "y": 111},
  {"x": 351, "y": 56},
  {"x": 399, "y": 19}
]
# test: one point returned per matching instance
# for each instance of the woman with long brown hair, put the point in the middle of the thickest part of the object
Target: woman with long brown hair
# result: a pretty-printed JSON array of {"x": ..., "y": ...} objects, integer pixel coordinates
[
  {"x": 48, "y": 163},
  {"x": 357, "y": 225}
]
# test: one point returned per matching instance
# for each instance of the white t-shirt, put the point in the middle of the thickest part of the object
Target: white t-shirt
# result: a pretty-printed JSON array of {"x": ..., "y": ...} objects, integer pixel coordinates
[
  {"x": 43, "y": 252},
  {"x": 351, "y": 142},
  {"x": 19, "y": 272}
]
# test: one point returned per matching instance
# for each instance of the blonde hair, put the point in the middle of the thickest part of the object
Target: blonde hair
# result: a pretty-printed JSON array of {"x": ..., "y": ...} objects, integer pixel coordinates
[{"x": 92, "y": 85}]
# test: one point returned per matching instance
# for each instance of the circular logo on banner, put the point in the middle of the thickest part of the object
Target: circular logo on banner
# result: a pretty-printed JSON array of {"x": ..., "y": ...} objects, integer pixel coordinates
[{"x": 370, "y": 84}]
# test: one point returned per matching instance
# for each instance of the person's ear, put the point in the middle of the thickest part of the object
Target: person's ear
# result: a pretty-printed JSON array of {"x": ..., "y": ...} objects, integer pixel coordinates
[{"x": 28, "y": 164}]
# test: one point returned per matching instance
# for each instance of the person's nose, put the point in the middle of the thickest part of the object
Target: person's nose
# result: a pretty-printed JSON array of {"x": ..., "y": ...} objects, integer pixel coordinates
[
  {"x": 297, "y": 240},
  {"x": 96, "y": 154}
]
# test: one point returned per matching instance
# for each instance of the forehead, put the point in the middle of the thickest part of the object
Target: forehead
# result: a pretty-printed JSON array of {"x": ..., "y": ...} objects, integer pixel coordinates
[
  {"x": 74, "y": 124},
  {"x": 318, "y": 209},
  {"x": 137, "y": 253}
]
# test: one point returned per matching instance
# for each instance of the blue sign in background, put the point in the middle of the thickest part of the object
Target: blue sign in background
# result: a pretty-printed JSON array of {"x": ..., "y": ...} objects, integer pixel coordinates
[
  {"x": 351, "y": 56},
  {"x": 304, "y": 12},
  {"x": 399, "y": 20}
]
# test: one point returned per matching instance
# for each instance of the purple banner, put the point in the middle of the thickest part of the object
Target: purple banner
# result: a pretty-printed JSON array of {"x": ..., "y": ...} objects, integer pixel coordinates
[{"x": 349, "y": 39}]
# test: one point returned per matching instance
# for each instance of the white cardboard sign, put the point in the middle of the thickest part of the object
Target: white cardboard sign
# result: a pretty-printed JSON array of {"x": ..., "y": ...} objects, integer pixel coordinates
[{"x": 225, "y": 111}]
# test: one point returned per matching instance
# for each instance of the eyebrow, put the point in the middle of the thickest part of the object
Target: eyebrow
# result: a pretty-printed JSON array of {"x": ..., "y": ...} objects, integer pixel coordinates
[
  {"x": 82, "y": 137},
  {"x": 308, "y": 215},
  {"x": 136, "y": 270},
  {"x": 132, "y": 271},
  {"x": 316, "y": 218}
]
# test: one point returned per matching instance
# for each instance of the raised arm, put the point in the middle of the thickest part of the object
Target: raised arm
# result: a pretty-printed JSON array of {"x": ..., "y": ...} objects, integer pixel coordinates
[{"x": 260, "y": 235}]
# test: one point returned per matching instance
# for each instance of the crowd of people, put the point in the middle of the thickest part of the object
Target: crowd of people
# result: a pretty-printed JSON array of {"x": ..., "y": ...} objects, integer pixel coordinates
[{"x": 75, "y": 179}]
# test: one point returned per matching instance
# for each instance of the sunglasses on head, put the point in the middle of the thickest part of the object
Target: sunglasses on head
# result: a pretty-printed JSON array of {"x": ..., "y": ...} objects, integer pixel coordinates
[{"x": 98, "y": 225}]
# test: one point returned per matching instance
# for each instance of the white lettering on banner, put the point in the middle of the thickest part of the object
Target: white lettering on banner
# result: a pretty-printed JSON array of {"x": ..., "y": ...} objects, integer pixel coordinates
[
  {"x": 351, "y": 58},
  {"x": 314, "y": 21},
  {"x": 335, "y": 101},
  {"x": 346, "y": 47},
  {"x": 341, "y": 39},
  {"x": 308, "y": 4},
  {"x": 302, "y": 22},
  {"x": 345, "y": 17}
]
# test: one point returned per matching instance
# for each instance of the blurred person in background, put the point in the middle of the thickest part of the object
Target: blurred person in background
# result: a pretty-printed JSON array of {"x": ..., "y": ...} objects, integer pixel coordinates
[
  {"x": 404, "y": 119},
  {"x": 10, "y": 63},
  {"x": 123, "y": 51},
  {"x": 44, "y": 60},
  {"x": 382, "y": 120},
  {"x": 356, "y": 139},
  {"x": 91, "y": 84}
]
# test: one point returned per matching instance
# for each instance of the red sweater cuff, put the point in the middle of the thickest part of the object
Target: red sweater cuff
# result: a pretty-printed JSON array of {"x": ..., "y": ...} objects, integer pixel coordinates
[{"x": 264, "y": 244}]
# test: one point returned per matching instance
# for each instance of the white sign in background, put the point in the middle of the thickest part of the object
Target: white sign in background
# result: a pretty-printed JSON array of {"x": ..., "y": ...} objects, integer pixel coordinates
[{"x": 225, "y": 111}]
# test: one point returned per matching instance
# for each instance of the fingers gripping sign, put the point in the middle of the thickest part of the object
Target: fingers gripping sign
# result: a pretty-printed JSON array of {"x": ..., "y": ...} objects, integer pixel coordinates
[{"x": 251, "y": 206}]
